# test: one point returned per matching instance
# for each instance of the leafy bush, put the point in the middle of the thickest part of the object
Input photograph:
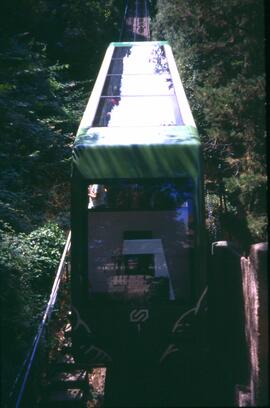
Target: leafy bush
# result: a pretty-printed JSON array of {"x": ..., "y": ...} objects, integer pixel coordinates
[{"x": 28, "y": 264}]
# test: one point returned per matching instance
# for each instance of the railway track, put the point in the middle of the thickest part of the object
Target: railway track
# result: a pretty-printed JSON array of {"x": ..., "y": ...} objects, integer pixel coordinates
[{"x": 136, "y": 25}]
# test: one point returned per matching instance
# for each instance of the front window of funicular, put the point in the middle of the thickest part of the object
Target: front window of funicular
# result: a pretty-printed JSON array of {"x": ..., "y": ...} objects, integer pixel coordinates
[{"x": 140, "y": 239}]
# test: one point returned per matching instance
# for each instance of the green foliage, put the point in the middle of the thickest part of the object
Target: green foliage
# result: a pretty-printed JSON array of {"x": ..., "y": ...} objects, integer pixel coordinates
[
  {"x": 249, "y": 189},
  {"x": 42, "y": 249},
  {"x": 28, "y": 264},
  {"x": 49, "y": 55},
  {"x": 75, "y": 32},
  {"x": 32, "y": 149},
  {"x": 212, "y": 205},
  {"x": 219, "y": 50},
  {"x": 43, "y": 44},
  {"x": 257, "y": 225},
  {"x": 214, "y": 215}
]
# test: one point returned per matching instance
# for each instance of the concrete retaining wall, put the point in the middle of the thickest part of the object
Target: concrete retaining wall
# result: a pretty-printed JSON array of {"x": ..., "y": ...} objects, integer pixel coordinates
[{"x": 255, "y": 291}]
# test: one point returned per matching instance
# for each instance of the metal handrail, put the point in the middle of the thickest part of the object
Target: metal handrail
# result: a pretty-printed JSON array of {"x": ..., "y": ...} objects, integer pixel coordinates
[{"x": 53, "y": 296}]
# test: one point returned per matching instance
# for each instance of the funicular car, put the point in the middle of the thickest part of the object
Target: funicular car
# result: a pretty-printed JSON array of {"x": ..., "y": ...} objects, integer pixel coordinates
[{"x": 138, "y": 259}]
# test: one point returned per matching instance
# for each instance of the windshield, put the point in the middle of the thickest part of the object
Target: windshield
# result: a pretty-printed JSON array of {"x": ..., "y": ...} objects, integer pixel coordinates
[
  {"x": 140, "y": 237},
  {"x": 148, "y": 195}
]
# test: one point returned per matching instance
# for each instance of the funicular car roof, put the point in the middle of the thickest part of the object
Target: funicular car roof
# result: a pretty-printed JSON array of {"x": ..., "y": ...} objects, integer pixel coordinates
[{"x": 137, "y": 123}]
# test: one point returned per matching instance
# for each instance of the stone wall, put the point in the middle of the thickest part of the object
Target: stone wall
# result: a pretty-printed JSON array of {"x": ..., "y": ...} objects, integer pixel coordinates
[{"x": 255, "y": 291}]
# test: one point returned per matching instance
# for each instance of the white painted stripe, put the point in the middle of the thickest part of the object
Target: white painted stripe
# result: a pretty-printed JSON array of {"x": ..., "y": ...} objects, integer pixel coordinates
[{"x": 92, "y": 104}]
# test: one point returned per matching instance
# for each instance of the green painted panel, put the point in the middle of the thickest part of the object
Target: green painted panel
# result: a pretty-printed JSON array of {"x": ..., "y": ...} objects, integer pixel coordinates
[
  {"x": 175, "y": 154},
  {"x": 139, "y": 43},
  {"x": 138, "y": 135}
]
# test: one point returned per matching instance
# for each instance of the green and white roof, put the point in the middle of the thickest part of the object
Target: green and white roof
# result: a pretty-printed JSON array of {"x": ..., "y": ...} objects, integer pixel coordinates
[{"x": 137, "y": 123}]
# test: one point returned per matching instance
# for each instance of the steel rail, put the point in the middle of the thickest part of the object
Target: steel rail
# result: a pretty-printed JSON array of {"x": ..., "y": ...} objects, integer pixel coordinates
[
  {"x": 46, "y": 316},
  {"x": 135, "y": 21},
  {"x": 141, "y": 14},
  {"x": 147, "y": 19},
  {"x": 124, "y": 21}
]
